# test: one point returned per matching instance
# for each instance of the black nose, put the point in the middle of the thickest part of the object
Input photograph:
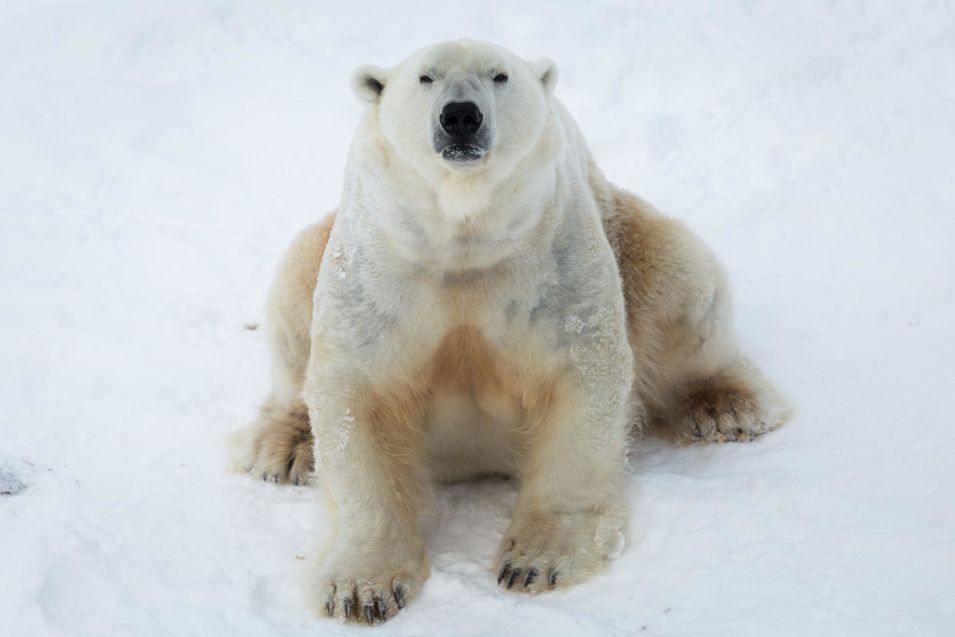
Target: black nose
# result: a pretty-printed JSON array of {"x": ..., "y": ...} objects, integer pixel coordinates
[{"x": 461, "y": 118}]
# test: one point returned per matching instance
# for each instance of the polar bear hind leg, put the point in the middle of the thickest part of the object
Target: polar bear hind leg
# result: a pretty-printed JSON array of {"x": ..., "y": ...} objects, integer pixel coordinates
[
  {"x": 278, "y": 447},
  {"x": 690, "y": 374}
]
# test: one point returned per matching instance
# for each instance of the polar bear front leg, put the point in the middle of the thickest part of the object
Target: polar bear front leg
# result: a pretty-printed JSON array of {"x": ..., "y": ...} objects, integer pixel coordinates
[
  {"x": 569, "y": 516},
  {"x": 370, "y": 451}
]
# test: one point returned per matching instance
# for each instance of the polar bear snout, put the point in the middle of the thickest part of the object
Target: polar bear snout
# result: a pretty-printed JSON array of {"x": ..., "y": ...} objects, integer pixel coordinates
[
  {"x": 462, "y": 138},
  {"x": 461, "y": 120}
]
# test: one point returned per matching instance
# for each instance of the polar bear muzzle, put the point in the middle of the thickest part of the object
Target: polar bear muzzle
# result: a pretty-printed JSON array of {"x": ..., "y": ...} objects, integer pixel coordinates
[
  {"x": 461, "y": 123},
  {"x": 462, "y": 128}
]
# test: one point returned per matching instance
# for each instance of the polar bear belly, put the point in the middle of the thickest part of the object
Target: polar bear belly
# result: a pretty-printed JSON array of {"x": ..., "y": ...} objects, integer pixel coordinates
[
  {"x": 473, "y": 415},
  {"x": 469, "y": 439}
]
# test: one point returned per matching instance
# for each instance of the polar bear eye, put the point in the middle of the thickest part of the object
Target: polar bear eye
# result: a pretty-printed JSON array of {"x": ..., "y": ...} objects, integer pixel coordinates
[
  {"x": 500, "y": 78},
  {"x": 424, "y": 79}
]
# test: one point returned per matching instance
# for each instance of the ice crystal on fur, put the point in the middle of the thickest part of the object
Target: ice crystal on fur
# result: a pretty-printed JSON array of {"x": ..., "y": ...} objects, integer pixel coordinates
[{"x": 574, "y": 324}]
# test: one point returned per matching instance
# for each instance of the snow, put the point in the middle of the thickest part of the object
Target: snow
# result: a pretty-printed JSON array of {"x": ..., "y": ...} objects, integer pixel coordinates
[{"x": 156, "y": 157}]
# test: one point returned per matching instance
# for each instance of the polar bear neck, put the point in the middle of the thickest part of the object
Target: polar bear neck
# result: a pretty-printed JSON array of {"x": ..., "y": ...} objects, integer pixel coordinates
[
  {"x": 464, "y": 197},
  {"x": 452, "y": 221}
]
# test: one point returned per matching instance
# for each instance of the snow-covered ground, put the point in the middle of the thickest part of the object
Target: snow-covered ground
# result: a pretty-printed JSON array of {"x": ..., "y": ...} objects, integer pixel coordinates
[{"x": 156, "y": 157}]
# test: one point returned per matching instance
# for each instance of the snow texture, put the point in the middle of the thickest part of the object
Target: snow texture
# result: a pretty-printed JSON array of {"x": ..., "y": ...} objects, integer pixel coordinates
[
  {"x": 10, "y": 482},
  {"x": 157, "y": 157}
]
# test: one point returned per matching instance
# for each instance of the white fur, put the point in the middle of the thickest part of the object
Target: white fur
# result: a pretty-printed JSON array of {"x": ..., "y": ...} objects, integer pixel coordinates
[{"x": 520, "y": 250}]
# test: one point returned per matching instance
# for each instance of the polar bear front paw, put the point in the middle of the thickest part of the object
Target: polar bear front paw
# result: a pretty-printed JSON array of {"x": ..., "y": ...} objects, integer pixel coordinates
[
  {"x": 547, "y": 551},
  {"x": 359, "y": 591}
]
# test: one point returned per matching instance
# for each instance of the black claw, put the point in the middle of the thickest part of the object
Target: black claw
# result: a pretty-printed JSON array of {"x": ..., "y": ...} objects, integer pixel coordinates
[
  {"x": 330, "y": 605},
  {"x": 531, "y": 576},
  {"x": 399, "y": 595},
  {"x": 553, "y": 578},
  {"x": 504, "y": 572},
  {"x": 514, "y": 575},
  {"x": 347, "y": 606},
  {"x": 380, "y": 607},
  {"x": 370, "y": 614}
]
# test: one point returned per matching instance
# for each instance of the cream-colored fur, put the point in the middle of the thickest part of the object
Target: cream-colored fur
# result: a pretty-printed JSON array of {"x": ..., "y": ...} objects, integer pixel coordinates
[{"x": 515, "y": 315}]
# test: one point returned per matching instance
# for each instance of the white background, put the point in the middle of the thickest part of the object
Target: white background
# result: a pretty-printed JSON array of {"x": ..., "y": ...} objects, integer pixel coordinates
[{"x": 157, "y": 157}]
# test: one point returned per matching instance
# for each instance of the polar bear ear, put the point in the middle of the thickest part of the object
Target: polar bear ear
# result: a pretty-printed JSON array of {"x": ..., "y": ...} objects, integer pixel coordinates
[
  {"x": 546, "y": 71},
  {"x": 368, "y": 83}
]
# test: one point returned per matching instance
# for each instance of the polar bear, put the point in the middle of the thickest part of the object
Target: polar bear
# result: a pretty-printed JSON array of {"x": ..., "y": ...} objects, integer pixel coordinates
[{"x": 483, "y": 302}]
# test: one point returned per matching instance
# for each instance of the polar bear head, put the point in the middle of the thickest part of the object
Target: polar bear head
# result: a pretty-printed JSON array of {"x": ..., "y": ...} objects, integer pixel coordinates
[{"x": 463, "y": 114}]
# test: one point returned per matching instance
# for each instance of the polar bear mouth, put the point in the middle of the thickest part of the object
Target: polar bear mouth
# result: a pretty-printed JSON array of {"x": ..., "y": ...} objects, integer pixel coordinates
[{"x": 463, "y": 153}]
